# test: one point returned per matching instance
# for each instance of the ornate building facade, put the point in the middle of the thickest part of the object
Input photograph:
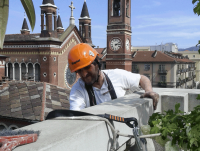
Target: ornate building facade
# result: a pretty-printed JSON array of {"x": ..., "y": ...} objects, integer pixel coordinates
[{"x": 43, "y": 56}]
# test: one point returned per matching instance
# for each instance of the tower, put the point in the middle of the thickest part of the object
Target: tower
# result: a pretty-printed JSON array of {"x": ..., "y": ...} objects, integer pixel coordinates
[
  {"x": 85, "y": 24},
  {"x": 48, "y": 19},
  {"x": 25, "y": 30},
  {"x": 119, "y": 35}
]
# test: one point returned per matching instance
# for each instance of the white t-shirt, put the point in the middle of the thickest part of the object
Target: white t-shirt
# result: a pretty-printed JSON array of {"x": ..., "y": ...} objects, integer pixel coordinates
[{"x": 121, "y": 81}]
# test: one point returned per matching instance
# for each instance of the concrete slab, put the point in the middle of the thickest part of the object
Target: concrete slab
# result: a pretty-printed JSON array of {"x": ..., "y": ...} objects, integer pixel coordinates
[{"x": 83, "y": 135}]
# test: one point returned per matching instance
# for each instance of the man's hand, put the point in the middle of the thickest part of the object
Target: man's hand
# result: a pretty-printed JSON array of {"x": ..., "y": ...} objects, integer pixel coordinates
[{"x": 153, "y": 95}]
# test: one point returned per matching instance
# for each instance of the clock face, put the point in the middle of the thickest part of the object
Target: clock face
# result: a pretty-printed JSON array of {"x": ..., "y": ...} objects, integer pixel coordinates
[
  {"x": 115, "y": 44},
  {"x": 127, "y": 44},
  {"x": 70, "y": 78}
]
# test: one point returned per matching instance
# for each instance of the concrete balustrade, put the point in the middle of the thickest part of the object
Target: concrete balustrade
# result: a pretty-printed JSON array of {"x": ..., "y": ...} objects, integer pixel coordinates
[{"x": 85, "y": 135}]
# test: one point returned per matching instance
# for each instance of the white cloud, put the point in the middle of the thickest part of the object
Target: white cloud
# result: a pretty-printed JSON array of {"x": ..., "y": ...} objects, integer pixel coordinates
[
  {"x": 185, "y": 35},
  {"x": 169, "y": 34},
  {"x": 178, "y": 21}
]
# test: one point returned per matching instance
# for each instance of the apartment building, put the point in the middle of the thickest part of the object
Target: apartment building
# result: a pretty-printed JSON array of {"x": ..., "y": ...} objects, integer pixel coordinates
[
  {"x": 194, "y": 56},
  {"x": 170, "y": 47},
  {"x": 165, "y": 69}
]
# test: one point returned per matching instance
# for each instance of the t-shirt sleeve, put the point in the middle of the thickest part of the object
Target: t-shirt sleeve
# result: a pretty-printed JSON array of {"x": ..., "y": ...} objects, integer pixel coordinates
[
  {"x": 76, "y": 99},
  {"x": 129, "y": 79}
]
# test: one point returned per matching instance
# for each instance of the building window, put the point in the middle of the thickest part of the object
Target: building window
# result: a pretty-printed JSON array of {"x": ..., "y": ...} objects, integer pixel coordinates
[
  {"x": 161, "y": 67},
  {"x": 190, "y": 74},
  {"x": 54, "y": 58},
  {"x": 83, "y": 30},
  {"x": 147, "y": 67},
  {"x": 103, "y": 65},
  {"x": 127, "y": 8},
  {"x": 44, "y": 74},
  {"x": 178, "y": 67},
  {"x": 134, "y": 68},
  {"x": 54, "y": 74},
  {"x": 45, "y": 58},
  {"x": 193, "y": 56},
  {"x": 147, "y": 75},
  {"x": 116, "y": 8},
  {"x": 162, "y": 78}
]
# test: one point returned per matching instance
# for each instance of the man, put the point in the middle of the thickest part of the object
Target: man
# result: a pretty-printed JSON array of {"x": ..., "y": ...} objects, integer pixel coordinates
[{"x": 95, "y": 86}]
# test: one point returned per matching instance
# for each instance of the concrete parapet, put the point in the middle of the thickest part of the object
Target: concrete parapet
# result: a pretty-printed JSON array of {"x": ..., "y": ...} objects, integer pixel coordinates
[
  {"x": 84, "y": 135},
  {"x": 170, "y": 96},
  {"x": 193, "y": 101},
  {"x": 96, "y": 135}
]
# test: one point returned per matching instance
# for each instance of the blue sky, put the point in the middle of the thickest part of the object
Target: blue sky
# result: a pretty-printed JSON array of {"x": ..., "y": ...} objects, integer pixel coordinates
[{"x": 153, "y": 21}]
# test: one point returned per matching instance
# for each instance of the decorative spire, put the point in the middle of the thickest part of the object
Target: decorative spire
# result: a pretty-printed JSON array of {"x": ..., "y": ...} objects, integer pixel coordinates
[
  {"x": 85, "y": 13},
  {"x": 59, "y": 22},
  {"x": 25, "y": 29},
  {"x": 72, "y": 19},
  {"x": 25, "y": 25}
]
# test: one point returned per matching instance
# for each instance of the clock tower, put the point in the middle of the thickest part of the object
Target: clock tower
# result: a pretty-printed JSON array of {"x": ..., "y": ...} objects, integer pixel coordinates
[{"x": 119, "y": 35}]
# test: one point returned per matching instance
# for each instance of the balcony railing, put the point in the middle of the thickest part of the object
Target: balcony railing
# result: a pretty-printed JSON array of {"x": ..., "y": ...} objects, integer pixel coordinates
[
  {"x": 178, "y": 71},
  {"x": 135, "y": 70},
  {"x": 162, "y": 71},
  {"x": 183, "y": 70},
  {"x": 189, "y": 78},
  {"x": 162, "y": 84},
  {"x": 194, "y": 76},
  {"x": 178, "y": 84},
  {"x": 146, "y": 69},
  {"x": 183, "y": 81},
  {"x": 192, "y": 68}
]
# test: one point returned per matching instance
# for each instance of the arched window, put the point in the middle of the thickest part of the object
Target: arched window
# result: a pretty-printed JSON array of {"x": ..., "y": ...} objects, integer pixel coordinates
[
  {"x": 37, "y": 72},
  {"x": 23, "y": 70},
  {"x": 2, "y": 127},
  {"x": 83, "y": 30},
  {"x": 17, "y": 74},
  {"x": 30, "y": 71},
  {"x": 116, "y": 8},
  {"x": 10, "y": 71},
  {"x": 89, "y": 30},
  {"x": 53, "y": 21},
  {"x": 127, "y": 8},
  {"x": 13, "y": 127}
]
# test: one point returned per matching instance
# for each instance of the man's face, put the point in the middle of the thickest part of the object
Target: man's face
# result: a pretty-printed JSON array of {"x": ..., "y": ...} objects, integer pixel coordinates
[{"x": 89, "y": 74}]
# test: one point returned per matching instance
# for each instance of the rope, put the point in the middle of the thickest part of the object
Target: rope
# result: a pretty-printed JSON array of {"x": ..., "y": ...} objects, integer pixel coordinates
[{"x": 115, "y": 132}]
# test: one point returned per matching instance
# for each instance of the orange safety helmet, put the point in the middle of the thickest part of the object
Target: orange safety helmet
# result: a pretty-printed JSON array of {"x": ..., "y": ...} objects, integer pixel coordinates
[{"x": 80, "y": 56}]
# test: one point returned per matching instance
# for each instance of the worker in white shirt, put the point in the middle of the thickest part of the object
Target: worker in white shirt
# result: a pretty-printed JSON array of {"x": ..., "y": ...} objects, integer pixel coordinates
[{"x": 95, "y": 86}]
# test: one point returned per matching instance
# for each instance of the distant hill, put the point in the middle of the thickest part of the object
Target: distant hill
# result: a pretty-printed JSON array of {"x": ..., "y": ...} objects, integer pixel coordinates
[{"x": 194, "y": 48}]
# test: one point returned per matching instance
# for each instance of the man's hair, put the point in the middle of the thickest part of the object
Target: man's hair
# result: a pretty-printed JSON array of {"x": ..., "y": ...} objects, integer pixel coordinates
[{"x": 97, "y": 61}]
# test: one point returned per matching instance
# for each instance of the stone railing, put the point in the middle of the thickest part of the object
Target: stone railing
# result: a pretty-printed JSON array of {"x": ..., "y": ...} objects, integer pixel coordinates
[{"x": 76, "y": 135}]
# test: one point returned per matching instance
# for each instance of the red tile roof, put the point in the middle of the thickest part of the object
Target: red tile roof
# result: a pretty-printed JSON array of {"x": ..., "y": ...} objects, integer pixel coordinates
[
  {"x": 99, "y": 50},
  {"x": 147, "y": 56}
]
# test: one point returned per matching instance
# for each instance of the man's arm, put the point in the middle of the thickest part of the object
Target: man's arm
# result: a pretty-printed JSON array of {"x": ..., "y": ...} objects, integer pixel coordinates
[{"x": 145, "y": 83}]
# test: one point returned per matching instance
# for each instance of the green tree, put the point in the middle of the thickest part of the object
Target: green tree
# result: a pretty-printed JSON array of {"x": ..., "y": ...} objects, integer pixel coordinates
[{"x": 4, "y": 10}]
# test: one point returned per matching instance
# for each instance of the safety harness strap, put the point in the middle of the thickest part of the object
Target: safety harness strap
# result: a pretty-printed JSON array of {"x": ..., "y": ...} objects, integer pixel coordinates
[{"x": 91, "y": 92}]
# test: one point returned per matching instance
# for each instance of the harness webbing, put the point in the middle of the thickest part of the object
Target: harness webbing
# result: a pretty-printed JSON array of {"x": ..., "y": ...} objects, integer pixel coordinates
[{"x": 91, "y": 92}]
